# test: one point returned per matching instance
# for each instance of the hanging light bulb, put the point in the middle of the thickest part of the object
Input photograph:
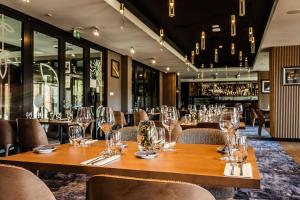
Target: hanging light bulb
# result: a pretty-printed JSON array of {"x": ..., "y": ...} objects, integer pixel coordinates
[
  {"x": 252, "y": 43},
  {"x": 232, "y": 49},
  {"x": 197, "y": 48},
  {"x": 171, "y": 8},
  {"x": 246, "y": 61},
  {"x": 122, "y": 8},
  {"x": 242, "y": 7},
  {"x": 211, "y": 67},
  {"x": 250, "y": 33},
  {"x": 193, "y": 57},
  {"x": 240, "y": 56},
  {"x": 161, "y": 36},
  {"x": 233, "y": 27},
  {"x": 186, "y": 59},
  {"x": 132, "y": 51},
  {"x": 202, "y": 40},
  {"x": 216, "y": 55}
]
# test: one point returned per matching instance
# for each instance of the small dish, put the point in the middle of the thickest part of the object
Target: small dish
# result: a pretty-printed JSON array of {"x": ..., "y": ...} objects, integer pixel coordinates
[
  {"x": 44, "y": 149},
  {"x": 146, "y": 155}
]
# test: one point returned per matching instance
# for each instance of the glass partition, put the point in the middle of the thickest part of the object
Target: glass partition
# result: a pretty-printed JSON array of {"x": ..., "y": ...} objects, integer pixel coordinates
[
  {"x": 74, "y": 76},
  {"x": 96, "y": 75},
  {"x": 45, "y": 76},
  {"x": 10, "y": 67}
]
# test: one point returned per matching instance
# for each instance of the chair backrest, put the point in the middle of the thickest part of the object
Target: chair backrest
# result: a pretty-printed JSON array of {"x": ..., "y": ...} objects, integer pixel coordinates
[
  {"x": 129, "y": 188},
  {"x": 253, "y": 113},
  {"x": 7, "y": 136},
  {"x": 129, "y": 133},
  {"x": 202, "y": 136},
  {"x": 18, "y": 183},
  {"x": 31, "y": 133},
  {"x": 176, "y": 132},
  {"x": 261, "y": 117},
  {"x": 120, "y": 118},
  {"x": 139, "y": 116}
]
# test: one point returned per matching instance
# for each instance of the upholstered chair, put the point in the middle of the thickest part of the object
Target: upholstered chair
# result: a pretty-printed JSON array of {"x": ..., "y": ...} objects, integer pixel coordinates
[
  {"x": 120, "y": 118},
  {"x": 262, "y": 121},
  {"x": 139, "y": 116},
  {"x": 18, "y": 183},
  {"x": 31, "y": 133},
  {"x": 201, "y": 136},
  {"x": 253, "y": 117},
  {"x": 213, "y": 125},
  {"x": 7, "y": 136},
  {"x": 129, "y": 188},
  {"x": 129, "y": 133}
]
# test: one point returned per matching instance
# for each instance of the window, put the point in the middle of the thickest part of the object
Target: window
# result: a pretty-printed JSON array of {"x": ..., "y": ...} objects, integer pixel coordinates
[
  {"x": 45, "y": 75},
  {"x": 10, "y": 67}
]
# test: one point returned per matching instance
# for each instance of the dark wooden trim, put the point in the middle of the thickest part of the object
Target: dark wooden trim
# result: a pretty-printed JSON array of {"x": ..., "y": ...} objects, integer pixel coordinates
[
  {"x": 86, "y": 76},
  {"x": 62, "y": 61}
]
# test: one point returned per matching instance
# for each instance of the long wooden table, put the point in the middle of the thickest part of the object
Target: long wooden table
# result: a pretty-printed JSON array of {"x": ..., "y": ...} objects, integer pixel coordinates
[{"x": 194, "y": 163}]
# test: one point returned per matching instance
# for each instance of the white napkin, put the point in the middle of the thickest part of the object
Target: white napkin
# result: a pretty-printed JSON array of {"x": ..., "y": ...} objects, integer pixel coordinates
[
  {"x": 247, "y": 170},
  {"x": 90, "y": 141},
  {"x": 99, "y": 161}
]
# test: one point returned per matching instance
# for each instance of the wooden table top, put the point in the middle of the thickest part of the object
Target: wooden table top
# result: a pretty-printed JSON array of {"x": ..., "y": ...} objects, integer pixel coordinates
[
  {"x": 59, "y": 122},
  {"x": 194, "y": 163}
]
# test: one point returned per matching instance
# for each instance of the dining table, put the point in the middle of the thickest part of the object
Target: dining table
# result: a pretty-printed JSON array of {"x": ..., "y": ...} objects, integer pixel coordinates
[
  {"x": 193, "y": 163},
  {"x": 214, "y": 125}
]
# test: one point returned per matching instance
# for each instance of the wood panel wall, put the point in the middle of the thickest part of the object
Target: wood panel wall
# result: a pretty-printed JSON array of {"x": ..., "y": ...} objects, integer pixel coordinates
[
  {"x": 284, "y": 100},
  {"x": 263, "y": 98},
  {"x": 169, "y": 89}
]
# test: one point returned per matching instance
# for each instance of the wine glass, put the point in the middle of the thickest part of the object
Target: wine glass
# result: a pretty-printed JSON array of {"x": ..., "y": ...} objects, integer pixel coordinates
[
  {"x": 106, "y": 122},
  {"x": 169, "y": 121},
  {"x": 75, "y": 136},
  {"x": 84, "y": 118}
]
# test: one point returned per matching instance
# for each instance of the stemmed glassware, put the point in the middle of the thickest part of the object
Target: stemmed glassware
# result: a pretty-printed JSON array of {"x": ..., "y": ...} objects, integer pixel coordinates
[
  {"x": 84, "y": 118},
  {"x": 169, "y": 121},
  {"x": 106, "y": 122}
]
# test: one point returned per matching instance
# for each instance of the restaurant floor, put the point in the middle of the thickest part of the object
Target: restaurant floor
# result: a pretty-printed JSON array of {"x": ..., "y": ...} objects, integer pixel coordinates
[{"x": 279, "y": 172}]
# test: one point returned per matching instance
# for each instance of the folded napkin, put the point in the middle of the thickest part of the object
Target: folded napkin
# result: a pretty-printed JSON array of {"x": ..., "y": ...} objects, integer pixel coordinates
[
  {"x": 90, "y": 141},
  {"x": 99, "y": 161},
  {"x": 247, "y": 170}
]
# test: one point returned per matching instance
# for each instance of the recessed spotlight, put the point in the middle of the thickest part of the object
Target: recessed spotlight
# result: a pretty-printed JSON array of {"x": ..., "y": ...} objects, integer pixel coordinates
[
  {"x": 161, "y": 49},
  {"x": 292, "y": 12},
  {"x": 48, "y": 15},
  {"x": 168, "y": 68},
  {"x": 216, "y": 30},
  {"x": 26, "y": 1},
  {"x": 220, "y": 46},
  {"x": 132, "y": 51},
  {"x": 73, "y": 55},
  {"x": 178, "y": 74},
  {"x": 153, "y": 61},
  {"x": 215, "y": 26},
  {"x": 95, "y": 31}
]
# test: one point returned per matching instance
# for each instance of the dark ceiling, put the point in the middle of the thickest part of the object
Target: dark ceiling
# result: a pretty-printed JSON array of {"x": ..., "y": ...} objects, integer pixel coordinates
[{"x": 193, "y": 16}]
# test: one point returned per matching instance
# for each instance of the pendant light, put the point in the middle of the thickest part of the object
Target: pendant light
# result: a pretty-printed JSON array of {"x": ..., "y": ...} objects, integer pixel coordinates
[
  {"x": 161, "y": 36},
  {"x": 251, "y": 34},
  {"x": 122, "y": 8},
  {"x": 232, "y": 48},
  {"x": 197, "y": 48},
  {"x": 216, "y": 55},
  {"x": 242, "y": 8},
  {"x": 252, "y": 44},
  {"x": 233, "y": 26},
  {"x": 193, "y": 57},
  {"x": 246, "y": 61},
  {"x": 202, "y": 40},
  {"x": 171, "y": 8},
  {"x": 240, "y": 56}
]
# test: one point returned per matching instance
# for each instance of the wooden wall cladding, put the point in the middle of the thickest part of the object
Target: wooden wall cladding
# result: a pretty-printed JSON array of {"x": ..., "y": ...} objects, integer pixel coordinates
[
  {"x": 169, "y": 89},
  {"x": 285, "y": 100}
]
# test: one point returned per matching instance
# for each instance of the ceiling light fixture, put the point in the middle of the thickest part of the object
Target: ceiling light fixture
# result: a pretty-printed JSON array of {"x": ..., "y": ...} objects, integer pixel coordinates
[
  {"x": 122, "y": 8},
  {"x": 188, "y": 69},
  {"x": 95, "y": 31},
  {"x": 216, "y": 55},
  {"x": 26, "y": 1},
  {"x": 233, "y": 26},
  {"x": 197, "y": 48},
  {"x": 132, "y": 51},
  {"x": 202, "y": 66},
  {"x": 202, "y": 40},
  {"x": 242, "y": 8},
  {"x": 232, "y": 48},
  {"x": 250, "y": 33},
  {"x": 246, "y": 61},
  {"x": 153, "y": 61},
  {"x": 252, "y": 44},
  {"x": 186, "y": 60},
  {"x": 171, "y": 8},
  {"x": 240, "y": 56},
  {"x": 193, "y": 57},
  {"x": 220, "y": 46},
  {"x": 178, "y": 74},
  {"x": 168, "y": 68},
  {"x": 161, "y": 36}
]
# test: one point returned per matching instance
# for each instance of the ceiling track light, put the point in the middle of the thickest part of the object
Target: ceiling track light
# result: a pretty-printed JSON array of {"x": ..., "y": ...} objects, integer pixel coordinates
[
  {"x": 233, "y": 26},
  {"x": 216, "y": 56},
  {"x": 161, "y": 36},
  {"x": 251, "y": 34},
  {"x": 197, "y": 48},
  {"x": 171, "y": 8},
  {"x": 232, "y": 49},
  {"x": 252, "y": 45},
  {"x": 95, "y": 31},
  {"x": 193, "y": 57},
  {"x": 132, "y": 51},
  {"x": 240, "y": 56},
  {"x": 202, "y": 40},
  {"x": 242, "y": 8}
]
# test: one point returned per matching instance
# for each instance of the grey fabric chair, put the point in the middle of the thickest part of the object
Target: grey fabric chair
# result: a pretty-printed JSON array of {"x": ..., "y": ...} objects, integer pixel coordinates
[
  {"x": 207, "y": 136},
  {"x": 201, "y": 136},
  {"x": 129, "y": 188},
  {"x": 129, "y": 133},
  {"x": 18, "y": 183}
]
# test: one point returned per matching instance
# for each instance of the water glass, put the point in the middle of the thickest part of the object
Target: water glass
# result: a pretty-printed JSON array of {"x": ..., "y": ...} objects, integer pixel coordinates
[
  {"x": 115, "y": 142},
  {"x": 75, "y": 136},
  {"x": 160, "y": 137},
  {"x": 29, "y": 115}
]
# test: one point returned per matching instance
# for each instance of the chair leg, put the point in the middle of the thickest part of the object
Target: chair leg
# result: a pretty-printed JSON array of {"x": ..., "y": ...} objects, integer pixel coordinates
[{"x": 259, "y": 130}]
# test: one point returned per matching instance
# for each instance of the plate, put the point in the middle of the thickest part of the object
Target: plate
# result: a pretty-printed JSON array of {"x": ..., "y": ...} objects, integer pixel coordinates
[
  {"x": 146, "y": 155},
  {"x": 44, "y": 149}
]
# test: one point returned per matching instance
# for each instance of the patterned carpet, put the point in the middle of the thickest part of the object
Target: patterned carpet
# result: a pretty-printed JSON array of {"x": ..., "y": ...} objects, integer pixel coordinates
[{"x": 280, "y": 175}]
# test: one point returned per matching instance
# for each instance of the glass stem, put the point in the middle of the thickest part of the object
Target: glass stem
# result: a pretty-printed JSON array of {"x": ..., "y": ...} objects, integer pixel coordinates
[
  {"x": 106, "y": 141},
  {"x": 83, "y": 134},
  {"x": 170, "y": 137}
]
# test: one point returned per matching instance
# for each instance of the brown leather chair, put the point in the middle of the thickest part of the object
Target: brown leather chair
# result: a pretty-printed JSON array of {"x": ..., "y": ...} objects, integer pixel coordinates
[
  {"x": 120, "y": 118},
  {"x": 176, "y": 132},
  {"x": 31, "y": 133},
  {"x": 129, "y": 188},
  {"x": 253, "y": 117},
  {"x": 7, "y": 136},
  {"x": 202, "y": 136},
  {"x": 208, "y": 125},
  {"x": 139, "y": 116},
  {"x": 18, "y": 183},
  {"x": 262, "y": 121}
]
